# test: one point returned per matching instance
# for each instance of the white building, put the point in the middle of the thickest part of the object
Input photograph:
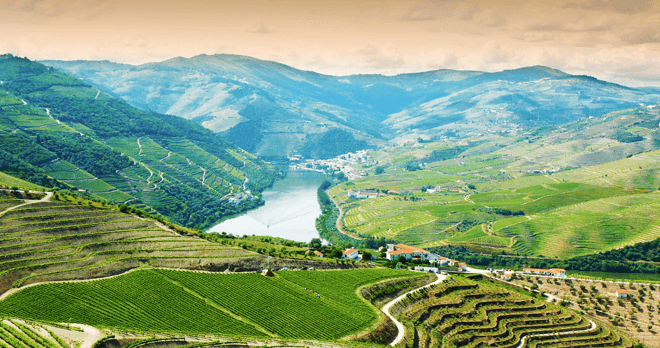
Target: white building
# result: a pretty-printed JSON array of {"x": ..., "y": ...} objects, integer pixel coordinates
[
  {"x": 351, "y": 253},
  {"x": 555, "y": 272},
  {"x": 409, "y": 252},
  {"x": 621, "y": 293}
]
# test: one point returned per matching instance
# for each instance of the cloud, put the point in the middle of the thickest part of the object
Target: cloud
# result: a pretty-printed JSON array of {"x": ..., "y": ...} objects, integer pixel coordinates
[
  {"x": 50, "y": 8},
  {"x": 368, "y": 50},
  {"x": 416, "y": 17},
  {"x": 570, "y": 28},
  {"x": 259, "y": 28},
  {"x": 641, "y": 36},
  {"x": 496, "y": 54},
  {"x": 618, "y": 6}
]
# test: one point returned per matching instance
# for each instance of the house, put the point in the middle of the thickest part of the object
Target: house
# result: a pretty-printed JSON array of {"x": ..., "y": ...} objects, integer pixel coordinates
[
  {"x": 462, "y": 266},
  {"x": 392, "y": 192},
  {"x": 558, "y": 273},
  {"x": 427, "y": 269},
  {"x": 361, "y": 194},
  {"x": 351, "y": 253},
  {"x": 506, "y": 276},
  {"x": 621, "y": 293},
  {"x": 315, "y": 253},
  {"x": 409, "y": 252},
  {"x": 442, "y": 261},
  {"x": 554, "y": 272},
  {"x": 453, "y": 263}
]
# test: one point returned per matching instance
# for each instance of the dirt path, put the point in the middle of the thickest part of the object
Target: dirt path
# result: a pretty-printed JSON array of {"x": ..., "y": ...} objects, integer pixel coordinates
[
  {"x": 166, "y": 157},
  {"x": 341, "y": 215},
  {"x": 97, "y": 95},
  {"x": 522, "y": 340},
  {"x": 399, "y": 326},
  {"x": 139, "y": 146},
  {"x": 467, "y": 199},
  {"x": 46, "y": 198},
  {"x": 92, "y": 335}
]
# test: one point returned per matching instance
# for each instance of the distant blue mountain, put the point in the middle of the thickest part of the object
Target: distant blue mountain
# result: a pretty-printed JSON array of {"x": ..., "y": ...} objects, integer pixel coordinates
[{"x": 274, "y": 109}]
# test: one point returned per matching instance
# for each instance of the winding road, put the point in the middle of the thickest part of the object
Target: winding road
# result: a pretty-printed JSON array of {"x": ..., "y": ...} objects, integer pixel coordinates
[
  {"x": 522, "y": 340},
  {"x": 399, "y": 326}
]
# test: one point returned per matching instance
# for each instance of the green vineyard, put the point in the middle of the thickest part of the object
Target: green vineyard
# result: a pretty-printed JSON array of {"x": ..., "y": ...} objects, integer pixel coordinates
[
  {"x": 45, "y": 241},
  {"x": 17, "y": 334},
  {"x": 319, "y": 305},
  {"x": 475, "y": 312}
]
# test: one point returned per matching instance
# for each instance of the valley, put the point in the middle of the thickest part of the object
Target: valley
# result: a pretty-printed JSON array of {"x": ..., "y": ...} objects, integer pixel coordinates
[{"x": 104, "y": 207}]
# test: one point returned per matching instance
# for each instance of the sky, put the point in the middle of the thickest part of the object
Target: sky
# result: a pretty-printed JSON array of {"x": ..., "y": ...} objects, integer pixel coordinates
[{"x": 617, "y": 41}]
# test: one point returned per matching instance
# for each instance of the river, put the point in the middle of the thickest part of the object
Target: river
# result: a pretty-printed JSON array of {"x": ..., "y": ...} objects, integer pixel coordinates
[{"x": 290, "y": 210}]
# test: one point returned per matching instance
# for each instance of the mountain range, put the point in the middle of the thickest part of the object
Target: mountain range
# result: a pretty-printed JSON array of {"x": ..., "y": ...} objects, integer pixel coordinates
[{"x": 273, "y": 110}]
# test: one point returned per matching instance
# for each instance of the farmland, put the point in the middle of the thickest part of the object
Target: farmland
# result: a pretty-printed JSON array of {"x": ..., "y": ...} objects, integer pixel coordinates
[
  {"x": 45, "y": 241},
  {"x": 158, "y": 163},
  {"x": 19, "y": 334},
  {"x": 636, "y": 315},
  {"x": 476, "y": 312},
  {"x": 285, "y": 305},
  {"x": 548, "y": 195}
]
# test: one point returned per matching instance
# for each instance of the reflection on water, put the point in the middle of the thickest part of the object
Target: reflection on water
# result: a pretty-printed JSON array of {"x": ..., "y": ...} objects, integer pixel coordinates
[{"x": 290, "y": 211}]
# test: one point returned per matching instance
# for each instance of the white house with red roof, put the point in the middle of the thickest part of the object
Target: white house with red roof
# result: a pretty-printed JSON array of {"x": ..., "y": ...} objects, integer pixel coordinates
[
  {"x": 350, "y": 253},
  {"x": 409, "y": 252},
  {"x": 621, "y": 293},
  {"x": 555, "y": 272}
]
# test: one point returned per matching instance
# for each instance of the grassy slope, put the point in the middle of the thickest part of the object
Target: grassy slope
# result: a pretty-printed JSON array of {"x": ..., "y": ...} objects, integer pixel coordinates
[
  {"x": 564, "y": 211},
  {"x": 278, "y": 306},
  {"x": 11, "y": 181}
]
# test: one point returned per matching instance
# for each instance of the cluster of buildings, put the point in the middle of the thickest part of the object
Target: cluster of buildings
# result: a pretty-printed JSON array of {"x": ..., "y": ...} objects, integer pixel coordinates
[
  {"x": 554, "y": 272},
  {"x": 362, "y": 194},
  {"x": 395, "y": 251},
  {"x": 237, "y": 198},
  {"x": 369, "y": 193},
  {"x": 343, "y": 163}
]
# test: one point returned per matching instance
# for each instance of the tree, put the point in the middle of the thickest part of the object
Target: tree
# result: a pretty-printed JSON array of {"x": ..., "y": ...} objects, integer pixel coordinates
[
  {"x": 471, "y": 187},
  {"x": 380, "y": 169},
  {"x": 315, "y": 243},
  {"x": 366, "y": 255}
]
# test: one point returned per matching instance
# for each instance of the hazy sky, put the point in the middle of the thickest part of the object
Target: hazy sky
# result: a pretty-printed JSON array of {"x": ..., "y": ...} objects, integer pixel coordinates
[{"x": 614, "y": 40}]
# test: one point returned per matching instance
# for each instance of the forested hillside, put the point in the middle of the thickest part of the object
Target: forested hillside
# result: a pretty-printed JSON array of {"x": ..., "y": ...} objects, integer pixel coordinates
[{"x": 57, "y": 131}]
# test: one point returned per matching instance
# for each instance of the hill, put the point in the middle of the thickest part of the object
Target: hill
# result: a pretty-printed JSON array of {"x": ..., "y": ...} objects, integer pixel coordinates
[
  {"x": 482, "y": 313},
  {"x": 62, "y": 238},
  {"x": 273, "y": 109},
  {"x": 309, "y": 305},
  {"x": 57, "y": 131},
  {"x": 558, "y": 192}
]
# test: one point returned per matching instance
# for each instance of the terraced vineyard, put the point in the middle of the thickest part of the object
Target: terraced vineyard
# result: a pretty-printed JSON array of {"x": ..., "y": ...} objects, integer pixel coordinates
[
  {"x": 464, "y": 312},
  {"x": 157, "y": 163},
  {"x": 45, "y": 241},
  {"x": 246, "y": 304},
  {"x": 19, "y": 334}
]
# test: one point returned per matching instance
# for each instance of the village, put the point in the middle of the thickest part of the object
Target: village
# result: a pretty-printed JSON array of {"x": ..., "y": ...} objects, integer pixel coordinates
[{"x": 344, "y": 163}]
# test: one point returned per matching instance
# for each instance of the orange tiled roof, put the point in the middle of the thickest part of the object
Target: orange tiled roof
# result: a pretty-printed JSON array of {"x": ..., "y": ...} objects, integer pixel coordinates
[
  {"x": 350, "y": 251},
  {"x": 409, "y": 249},
  {"x": 621, "y": 291}
]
